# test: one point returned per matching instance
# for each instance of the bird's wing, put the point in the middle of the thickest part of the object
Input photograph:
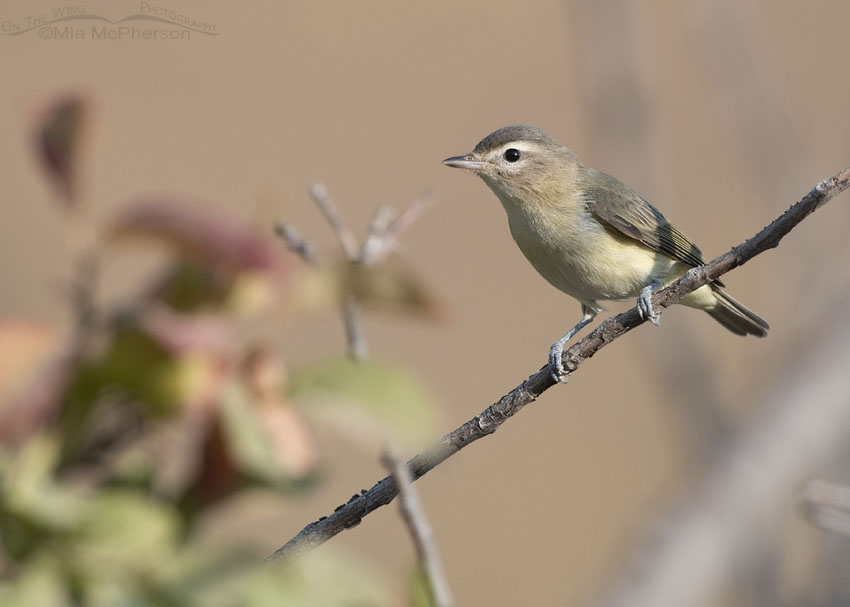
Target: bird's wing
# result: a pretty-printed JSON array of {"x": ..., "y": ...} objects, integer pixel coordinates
[{"x": 616, "y": 205}]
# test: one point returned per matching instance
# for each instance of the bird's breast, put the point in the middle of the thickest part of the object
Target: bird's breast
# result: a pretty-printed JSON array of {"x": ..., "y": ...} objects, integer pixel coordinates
[{"x": 574, "y": 252}]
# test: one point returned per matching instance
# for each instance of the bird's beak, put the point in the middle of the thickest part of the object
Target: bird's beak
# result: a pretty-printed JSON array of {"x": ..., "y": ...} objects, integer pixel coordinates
[{"x": 464, "y": 162}]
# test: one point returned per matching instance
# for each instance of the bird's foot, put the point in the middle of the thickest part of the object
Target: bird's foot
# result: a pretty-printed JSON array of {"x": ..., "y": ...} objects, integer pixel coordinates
[
  {"x": 644, "y": 304},
  {"x": 556, "y": 361},
  {"x": 556, "y": 352}
]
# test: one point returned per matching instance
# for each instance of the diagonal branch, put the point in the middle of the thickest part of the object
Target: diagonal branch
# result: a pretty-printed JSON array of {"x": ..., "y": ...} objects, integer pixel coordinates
[{"x": 488, "y": 421}]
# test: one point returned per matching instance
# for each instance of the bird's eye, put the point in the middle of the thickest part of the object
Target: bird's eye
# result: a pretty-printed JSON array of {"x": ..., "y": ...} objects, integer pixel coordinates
[{"x": 512, "y": 155}]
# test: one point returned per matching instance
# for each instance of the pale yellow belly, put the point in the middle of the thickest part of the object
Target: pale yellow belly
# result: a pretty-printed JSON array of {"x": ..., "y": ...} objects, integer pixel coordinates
[{"x": 592, "y": 263}]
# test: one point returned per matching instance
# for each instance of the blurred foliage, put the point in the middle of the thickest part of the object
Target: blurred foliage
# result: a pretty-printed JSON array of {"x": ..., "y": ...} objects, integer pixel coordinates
[
  {"x": 119, "y": 433},
  {"x": 366, "y": 399},
  {"x": 420, "y": 589},
  {"x": 59, "y": 135},
  {"x": 391, "y": 286}
]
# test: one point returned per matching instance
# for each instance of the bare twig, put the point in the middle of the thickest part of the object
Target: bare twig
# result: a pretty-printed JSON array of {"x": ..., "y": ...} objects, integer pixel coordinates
[
  {"x": 346, "y": 239},
  {"x": 373, "y": 244},
  {"x": 382, "y": 235},
  {"x": 358, "y": 347},
  {"x": 405, "y": 219},
  {"x": 489, "y": 420},
  {"x": 417, "y": 523},
  {"x": 86, "y": 274},
  {"x": 296, "y": 243},
  {"x": 355, "y": 337}
]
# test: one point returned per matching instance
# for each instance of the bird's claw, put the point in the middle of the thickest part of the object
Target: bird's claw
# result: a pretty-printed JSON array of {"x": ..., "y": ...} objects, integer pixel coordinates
[
  {"x": 556, "y": 352},
  {"x": 556, "y": 361},
  {"x": 644, "y": 305}
]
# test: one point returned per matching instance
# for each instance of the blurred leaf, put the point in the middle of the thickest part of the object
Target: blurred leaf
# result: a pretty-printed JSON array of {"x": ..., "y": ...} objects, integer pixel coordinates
[
  {"x": 251, "y": 292},
  {"x": 41, "y": 583},
  {"x": 138, "y": 370},
  {"x": 264, "y": 375},
  {"x": 166, "y": 456},
  {"x": 34, "y": 371},
  {"x": 124, "y": 547},
  {"x": 319, "y": 578},
  {"x": 190, "y": 286},
  {"x": 124, "y": 533},
  {"x": 391, "y": 286},
  {"x": 200, "y": 576},
  {"x": 294, "y": 448},
  {"x": 221, "y": 263},
  {"x": 59, "y": 132},
  {"x": 33, "y": 508},
  {"x": 260, "y": 438},
  {"x": 215, "y": 475},
  {"x": 182, "y": 333},
  {"x": 420, "y": 589},
  {"x": 252, "y": 435},
  {"x": 24, "y": 348},
  {"x": 164, "y": 381},
  {"x": 196, "y": 231},
  {"x": 366, "y": 399},
  {"x": 29, "y": 487}
]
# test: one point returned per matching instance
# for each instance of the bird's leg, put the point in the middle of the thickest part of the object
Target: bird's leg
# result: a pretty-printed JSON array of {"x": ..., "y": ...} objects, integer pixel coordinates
[
  {"x": 556, "y": 352},
  {"x": 644, "y": 302}
]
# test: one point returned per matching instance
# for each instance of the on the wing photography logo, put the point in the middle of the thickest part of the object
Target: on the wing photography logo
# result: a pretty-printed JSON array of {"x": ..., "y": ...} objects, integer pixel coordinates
[{"x": 75, "y": 22}]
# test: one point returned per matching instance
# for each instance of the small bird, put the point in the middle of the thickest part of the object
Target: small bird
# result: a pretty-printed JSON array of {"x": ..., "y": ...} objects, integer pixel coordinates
[{"x": 590, "y": 235}]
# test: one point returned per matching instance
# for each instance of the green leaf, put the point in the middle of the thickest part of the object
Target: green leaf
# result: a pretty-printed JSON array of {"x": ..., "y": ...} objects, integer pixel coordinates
[
  {"x": 164, "y": 381},
  {"x": 248, "y": 444},
  {"x": 420, "y": 589},
  {"x": 366, "y": 399},
  {"x": 125, "y": 532},
  {"x": 29, "y": 490},
  {"x": 252, "y": 434},
  {"x": 40, "y": 583},
  {"x": 320, "y": 578},
  {"x": 200, "y": 576}
]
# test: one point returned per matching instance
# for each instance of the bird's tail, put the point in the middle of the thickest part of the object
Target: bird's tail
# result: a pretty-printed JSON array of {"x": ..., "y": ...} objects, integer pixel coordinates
[{"x": 735, "y": 316}]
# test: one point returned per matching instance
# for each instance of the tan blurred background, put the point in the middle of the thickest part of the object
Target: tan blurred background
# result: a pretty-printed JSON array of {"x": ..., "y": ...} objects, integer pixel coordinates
[{"x": 722, "y": 114}]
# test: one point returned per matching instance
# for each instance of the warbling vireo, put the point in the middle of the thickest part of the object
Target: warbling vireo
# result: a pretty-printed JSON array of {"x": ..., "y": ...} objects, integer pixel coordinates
[{"x": 588, "y": 234}]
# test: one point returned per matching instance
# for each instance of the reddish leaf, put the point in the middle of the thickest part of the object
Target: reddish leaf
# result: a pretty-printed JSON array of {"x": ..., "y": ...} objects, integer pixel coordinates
[
  {"x": 59, "y": 132},
  {"x": 216, "y": 476},
  {"x": 24, "y": 346},
  {"x": 198, "y": 232},
  {"x": 34, "y": 370},
  {"x": 181, "y": 333},
  {"x": 292, "y": 443}
]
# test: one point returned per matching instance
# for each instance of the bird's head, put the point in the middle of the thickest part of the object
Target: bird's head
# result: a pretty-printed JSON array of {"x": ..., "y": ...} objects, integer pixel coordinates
[{"x": 519, "y": 162}]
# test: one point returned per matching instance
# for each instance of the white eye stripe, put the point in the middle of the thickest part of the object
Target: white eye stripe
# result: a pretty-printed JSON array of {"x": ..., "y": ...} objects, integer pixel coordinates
[{"x": 524, "y": 148}]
